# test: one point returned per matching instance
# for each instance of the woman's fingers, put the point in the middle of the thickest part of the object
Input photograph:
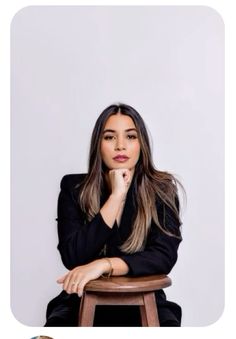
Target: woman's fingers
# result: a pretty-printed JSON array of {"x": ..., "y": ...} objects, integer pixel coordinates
[
  {"x": 74, "y": 286},
  {"x": 127, "y": 176},
  {"x": 62, "y": 278},
  {"x": 120, "y": 180},
  {"x": 75, "y": 280},
  {"x": 80, "y": 287},
  {"x": 68, "y": 283},
  {"x": 76, "y": 283},
  {"x": 71, "y": 284}
]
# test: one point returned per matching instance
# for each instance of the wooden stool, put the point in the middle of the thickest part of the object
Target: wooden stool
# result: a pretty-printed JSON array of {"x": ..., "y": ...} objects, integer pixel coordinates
[{"x": 123, "y": 291}]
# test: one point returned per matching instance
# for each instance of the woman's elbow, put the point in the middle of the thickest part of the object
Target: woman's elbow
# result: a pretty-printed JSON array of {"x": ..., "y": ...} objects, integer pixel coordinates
[
  {"x": 67, "y": 262},
  {"x": 168, "y": 264},
  {"x": 67, "y": 259}
]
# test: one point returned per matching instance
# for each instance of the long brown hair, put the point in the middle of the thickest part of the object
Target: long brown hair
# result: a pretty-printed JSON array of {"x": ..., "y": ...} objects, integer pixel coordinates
[{"x": 149, "y": 183}]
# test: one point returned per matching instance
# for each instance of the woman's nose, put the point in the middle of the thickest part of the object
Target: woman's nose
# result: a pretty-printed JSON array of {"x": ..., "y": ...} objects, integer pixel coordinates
[{"x": 120, "y": 144}]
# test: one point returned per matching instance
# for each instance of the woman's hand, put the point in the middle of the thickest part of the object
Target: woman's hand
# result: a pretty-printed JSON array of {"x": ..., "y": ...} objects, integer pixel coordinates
[
  {"x": 75, "y": 280},
  {"x": 120, "y": 180}
]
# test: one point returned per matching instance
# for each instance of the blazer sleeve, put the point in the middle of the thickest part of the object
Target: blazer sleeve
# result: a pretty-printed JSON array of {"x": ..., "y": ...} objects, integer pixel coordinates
[
  {"x": 160, "y": 253},
  {"x": 79, "y": 242}
]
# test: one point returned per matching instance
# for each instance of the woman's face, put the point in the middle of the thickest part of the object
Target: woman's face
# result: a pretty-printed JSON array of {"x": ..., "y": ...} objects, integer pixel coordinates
[{"x": 120, "y": 147}]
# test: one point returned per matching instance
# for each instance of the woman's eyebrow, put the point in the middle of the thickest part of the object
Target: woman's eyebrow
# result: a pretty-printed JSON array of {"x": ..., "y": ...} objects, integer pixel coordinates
[
  {"x": 109, "y": 130},
  {"x": 113, "y": 131},
  {"x": 131, "y": 129}
]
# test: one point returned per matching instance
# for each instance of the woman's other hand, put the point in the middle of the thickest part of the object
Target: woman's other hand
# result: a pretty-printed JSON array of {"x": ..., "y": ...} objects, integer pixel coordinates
[
  {"x": 120, "y": 180},
  {"x": 75, "y": 280}
]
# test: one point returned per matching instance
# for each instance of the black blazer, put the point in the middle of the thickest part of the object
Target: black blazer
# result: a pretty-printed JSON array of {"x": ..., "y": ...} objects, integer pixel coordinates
[{"x": 81, "y": 242}]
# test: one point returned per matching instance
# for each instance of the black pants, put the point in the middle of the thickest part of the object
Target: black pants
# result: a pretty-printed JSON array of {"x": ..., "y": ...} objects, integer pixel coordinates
[{"x": 63, "y": 311}]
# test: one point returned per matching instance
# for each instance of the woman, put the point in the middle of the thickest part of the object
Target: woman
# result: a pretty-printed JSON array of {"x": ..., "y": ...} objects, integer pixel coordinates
[{"x": 120, "y": 218}]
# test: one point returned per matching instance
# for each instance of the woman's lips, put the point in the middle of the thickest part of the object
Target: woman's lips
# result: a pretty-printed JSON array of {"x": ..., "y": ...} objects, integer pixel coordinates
[{"x": 120, "y": 158}]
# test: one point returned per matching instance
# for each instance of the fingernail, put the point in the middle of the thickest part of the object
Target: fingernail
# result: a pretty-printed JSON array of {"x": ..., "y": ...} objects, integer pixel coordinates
[{"x": 80, "y": 294}]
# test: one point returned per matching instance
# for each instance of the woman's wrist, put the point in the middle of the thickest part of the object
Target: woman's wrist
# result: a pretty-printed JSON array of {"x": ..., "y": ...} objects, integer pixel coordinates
[
  {"x": 113, "y": 266},
  {"x": 118, "y": 198},
  {"x": 108, "y": 268},
  {"x": 104, "y": 264}
]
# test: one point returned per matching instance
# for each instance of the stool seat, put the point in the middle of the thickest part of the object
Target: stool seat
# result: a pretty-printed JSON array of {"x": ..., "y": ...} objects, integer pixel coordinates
[
  {"x": 128, "y": 284},
  {"x": 123, "y": 290}
]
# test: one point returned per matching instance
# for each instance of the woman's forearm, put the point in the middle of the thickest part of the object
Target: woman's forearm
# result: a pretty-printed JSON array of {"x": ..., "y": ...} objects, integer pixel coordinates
[
  {"x": 75, "y": 280},
  {"x": 111, "y": 208}
]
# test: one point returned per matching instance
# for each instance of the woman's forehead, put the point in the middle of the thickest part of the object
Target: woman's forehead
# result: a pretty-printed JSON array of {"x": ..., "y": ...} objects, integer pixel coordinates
[{"x": 119, "y": 121}]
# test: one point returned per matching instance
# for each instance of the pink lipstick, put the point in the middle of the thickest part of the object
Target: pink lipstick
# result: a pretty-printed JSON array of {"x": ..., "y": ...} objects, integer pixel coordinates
[{"x": 121, "y": 158}]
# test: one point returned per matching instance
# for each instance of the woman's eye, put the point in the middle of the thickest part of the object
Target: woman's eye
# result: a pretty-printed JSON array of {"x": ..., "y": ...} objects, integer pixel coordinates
[
  {"x": 108, "y": 137},
  {"x": 132, "y": 136}
]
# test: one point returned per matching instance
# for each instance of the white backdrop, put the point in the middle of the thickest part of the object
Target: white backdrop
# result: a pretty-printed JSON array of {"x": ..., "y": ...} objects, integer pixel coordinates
[{"x": 67, "y": 65}]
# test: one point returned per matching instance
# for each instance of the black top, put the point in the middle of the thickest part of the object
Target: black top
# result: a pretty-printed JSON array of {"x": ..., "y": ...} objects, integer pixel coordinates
[{"x": 81, "y": 242}]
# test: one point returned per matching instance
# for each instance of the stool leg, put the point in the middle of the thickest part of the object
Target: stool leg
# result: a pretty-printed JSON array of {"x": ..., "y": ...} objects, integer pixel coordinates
[
  {"x": 87, "y": 309},
  {"x": 143, "y": 316},
  {"x": 149, "y": 315}
]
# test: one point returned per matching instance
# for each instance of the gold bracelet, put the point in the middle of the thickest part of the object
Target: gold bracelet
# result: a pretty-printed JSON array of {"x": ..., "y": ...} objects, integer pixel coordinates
[{"x": 110, "y": 271}]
